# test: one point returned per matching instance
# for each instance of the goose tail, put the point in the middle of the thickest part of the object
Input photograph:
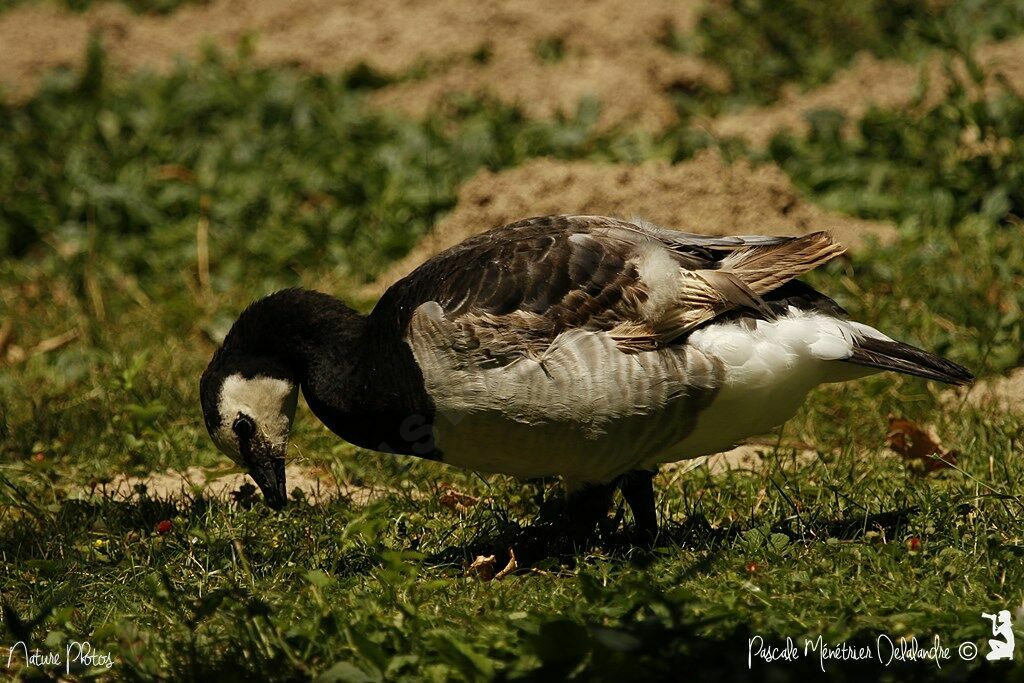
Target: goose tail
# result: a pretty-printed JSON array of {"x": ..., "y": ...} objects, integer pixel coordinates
[
  {"x": 889, "y": 354},
  {"x": 767, "y": 267}
]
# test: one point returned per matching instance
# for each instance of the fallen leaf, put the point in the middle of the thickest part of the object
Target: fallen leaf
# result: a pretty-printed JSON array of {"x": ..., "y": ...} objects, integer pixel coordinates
[
  {"x": 483, "y": 567},
  {"x": 456, "y": 501},
  {"x": 510, "y": 567},
  {"x": 16, "y": 354},
  {"x": 919, "y": 447}
]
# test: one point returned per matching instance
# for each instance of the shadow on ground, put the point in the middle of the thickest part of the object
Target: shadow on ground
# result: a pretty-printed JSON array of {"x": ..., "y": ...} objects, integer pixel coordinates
[{"x": 541, "y": 541}]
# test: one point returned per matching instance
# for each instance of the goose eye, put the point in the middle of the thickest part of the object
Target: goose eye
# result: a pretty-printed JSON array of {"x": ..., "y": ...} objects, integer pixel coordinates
[{"x": 244, "y": 427}]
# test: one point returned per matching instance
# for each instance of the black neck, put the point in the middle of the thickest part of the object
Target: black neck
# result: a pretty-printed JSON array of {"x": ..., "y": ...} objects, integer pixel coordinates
[
  {"x": 294, "y": 327},
  {"x": 357, "y": 373}
]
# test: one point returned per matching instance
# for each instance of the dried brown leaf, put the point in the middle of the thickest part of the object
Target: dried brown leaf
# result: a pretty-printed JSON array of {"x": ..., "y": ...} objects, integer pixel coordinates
[
  {"x": 919, "y": 447},
  {"x": 456, "y": 501},
  {"x": 510, "y": 567},
  {"x": 54, "y": 343},
  {"x": 6, "y": 334},
  {"x": 483, "y": 566}
]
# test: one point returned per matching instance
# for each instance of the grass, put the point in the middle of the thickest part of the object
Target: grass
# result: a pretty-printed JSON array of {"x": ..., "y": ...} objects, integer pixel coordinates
[
  {"x": 960, "y": 158},
  {"x": 297, "y": 182},
  {"x": 353, "y": 188},
  {"x": 765, "y": 46}
]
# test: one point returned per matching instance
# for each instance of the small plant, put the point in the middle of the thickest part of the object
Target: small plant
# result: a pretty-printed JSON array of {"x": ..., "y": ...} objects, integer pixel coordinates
[{"x": 550, "y": 50}]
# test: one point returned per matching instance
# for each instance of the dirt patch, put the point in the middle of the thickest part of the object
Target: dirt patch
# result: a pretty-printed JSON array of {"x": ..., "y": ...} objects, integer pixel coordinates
[
  {"x": 704, "y": 195},
  {"x": 544, "y": 56},
  {"x": 317, "y": 485},
  {"x": 608, "y": 51},
  {"x": 748, "y": 458},
  {"x": 1002, "y": 393},
  {"x": 869, "y": 82},
  {"x": 751, "y": 457}
]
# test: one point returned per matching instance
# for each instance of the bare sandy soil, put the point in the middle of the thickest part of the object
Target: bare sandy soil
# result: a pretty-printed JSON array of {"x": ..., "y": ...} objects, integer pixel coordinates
[
  {"x": 869, "y": 82},
  {"x": 608, "y": 50},
  {"x": 319, "y": 487},
  {"x": 703, "y": 195},
  {"x": 316, "y": 485},
  {"x": 1002, "y": 392},
  {"x": 750, "y": 457}
]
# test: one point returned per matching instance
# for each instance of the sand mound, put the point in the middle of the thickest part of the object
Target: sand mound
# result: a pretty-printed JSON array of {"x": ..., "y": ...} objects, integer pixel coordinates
[
  {"x": 608, "y": 50},
  {"x": 703, "y": 195},
  {"x": 869, "y": 82}
]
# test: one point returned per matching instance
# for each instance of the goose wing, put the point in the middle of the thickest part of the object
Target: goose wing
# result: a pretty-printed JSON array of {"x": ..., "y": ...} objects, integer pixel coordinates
[{"x": 510, "y": 292}]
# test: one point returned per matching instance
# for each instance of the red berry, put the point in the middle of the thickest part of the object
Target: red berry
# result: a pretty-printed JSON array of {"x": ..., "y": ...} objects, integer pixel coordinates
[
  {"x": 163, "y": 526},
  {"x": 752, "y": 567},
  {"x": 914, "y": 544},
  {"x": 38, "y": 457}
]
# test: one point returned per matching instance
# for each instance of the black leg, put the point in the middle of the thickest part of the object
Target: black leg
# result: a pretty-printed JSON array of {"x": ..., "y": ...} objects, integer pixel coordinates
[
  {"x": 638, "y": 490},
  {"x": 588, "y": 505},
  {"x": 585, "y": 506}
]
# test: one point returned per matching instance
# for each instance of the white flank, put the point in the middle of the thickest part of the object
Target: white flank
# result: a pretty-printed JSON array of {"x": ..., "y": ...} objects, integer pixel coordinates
[
  {"x": 587, "y": 411},
  {"x": 584, "y": 409}
]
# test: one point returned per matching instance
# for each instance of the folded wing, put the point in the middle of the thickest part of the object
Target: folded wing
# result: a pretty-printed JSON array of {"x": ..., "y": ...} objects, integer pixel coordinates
[{"x": 510, "y": 292}]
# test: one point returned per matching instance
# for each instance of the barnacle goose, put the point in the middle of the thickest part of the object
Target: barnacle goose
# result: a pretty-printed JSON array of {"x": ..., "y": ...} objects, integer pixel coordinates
[{"x": 585, "y": 347}]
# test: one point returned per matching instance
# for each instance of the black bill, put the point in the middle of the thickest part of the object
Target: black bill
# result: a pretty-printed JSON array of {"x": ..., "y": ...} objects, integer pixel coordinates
[{"x": 269, "y": 476}]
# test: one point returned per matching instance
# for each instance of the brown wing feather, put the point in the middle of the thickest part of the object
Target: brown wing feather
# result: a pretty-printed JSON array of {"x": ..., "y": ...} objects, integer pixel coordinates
[
  {"x": 512, "y": 290},
  {"x": 742, "y": 277}
]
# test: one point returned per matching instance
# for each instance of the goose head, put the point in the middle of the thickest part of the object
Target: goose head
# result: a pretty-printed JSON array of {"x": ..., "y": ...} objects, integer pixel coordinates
[{"x": 248, "y": 406}]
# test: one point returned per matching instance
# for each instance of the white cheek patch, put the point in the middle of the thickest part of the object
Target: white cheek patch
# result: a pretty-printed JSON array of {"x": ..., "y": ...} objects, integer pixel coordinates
[{"x": 269, "y": 401}]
